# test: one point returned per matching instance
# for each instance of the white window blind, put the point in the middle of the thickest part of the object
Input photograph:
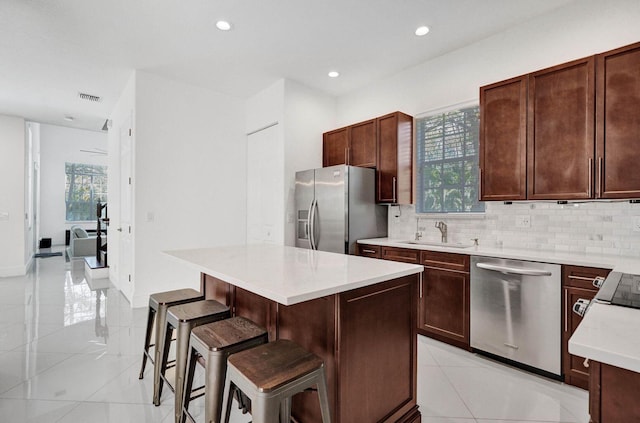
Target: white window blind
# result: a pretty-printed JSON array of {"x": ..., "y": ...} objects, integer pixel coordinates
[{"x": 447, "y": 162}]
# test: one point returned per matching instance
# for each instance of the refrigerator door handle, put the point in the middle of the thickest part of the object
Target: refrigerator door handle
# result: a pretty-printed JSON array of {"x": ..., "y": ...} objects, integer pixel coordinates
[{"x": 312, "y": 225}]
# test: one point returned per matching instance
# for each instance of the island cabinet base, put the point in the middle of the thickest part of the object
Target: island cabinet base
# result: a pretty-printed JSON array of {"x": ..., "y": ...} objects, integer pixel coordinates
[
  {"x": 613, "y": 394},
  {"x": 366, "y": 337}
]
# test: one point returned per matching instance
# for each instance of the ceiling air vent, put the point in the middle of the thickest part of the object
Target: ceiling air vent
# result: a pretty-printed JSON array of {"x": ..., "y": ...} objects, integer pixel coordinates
[{"x": 89, "y": 97}]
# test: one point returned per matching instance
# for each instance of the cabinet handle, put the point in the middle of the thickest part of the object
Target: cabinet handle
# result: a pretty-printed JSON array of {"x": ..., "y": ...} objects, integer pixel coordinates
[
  {"x": 582, "y": 278},
  {"x": 394, "y": 189},
  {"x": 420, "y": 284},
  {"x": 585, "y": 363},
  {"x": 566, "y": 310},
  {"x": 589, "y": 194},
  {"x": 369, "y": 251},
  {"x": 346, "y": 156},
  {"x": 600, "y": 178}
]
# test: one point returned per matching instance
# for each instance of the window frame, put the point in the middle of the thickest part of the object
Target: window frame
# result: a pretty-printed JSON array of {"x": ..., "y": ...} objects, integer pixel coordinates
[{"x": 419, "y": 190}]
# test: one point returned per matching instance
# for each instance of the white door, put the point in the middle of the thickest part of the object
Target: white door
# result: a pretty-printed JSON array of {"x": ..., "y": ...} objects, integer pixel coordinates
[
  {"x": 265, "y": 181},
  {"x": 125, "y": 258}
]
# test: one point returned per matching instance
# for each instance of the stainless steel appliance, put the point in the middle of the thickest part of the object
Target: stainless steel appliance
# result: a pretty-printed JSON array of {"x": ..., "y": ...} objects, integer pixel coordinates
[
  {"x": 516, "y": 312},
  {"x": 621, "y": 289},
  {"x": 336, "y": 206}
]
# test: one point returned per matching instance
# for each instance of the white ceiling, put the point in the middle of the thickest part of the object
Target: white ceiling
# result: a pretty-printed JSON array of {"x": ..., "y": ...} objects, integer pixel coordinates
[{"x": 52, "y": 49}]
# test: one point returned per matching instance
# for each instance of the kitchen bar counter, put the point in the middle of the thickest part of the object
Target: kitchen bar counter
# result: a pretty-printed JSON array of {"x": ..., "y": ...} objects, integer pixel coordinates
[
  {"x": 606, "y": 334},
  {"x": 358, "y": 314},
  {"x": 289, "y": 275}
]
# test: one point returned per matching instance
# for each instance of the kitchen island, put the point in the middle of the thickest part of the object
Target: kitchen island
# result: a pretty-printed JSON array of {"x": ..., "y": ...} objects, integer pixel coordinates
[{"x": 357, "y": 314}]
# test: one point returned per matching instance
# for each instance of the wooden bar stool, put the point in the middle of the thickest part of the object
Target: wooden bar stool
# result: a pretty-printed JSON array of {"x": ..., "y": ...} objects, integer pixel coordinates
[
  {"x": 213, "y": 343},
  {"x": 156, "y": 321},
  {"x": 270, "y": 375},
  {"x": 183, "y": 318}
]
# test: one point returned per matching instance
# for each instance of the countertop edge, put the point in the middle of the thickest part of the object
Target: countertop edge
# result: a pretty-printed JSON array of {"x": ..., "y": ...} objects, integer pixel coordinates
[{"x": 287, "y": 300}]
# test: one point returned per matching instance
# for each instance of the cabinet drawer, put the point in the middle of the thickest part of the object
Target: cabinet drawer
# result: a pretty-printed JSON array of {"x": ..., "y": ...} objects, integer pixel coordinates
[
  {"x": 451, "y": 261},
  {"x": 582, "y": 277},
  {"x": 406, "y": 255},
  {"x": 366, "y": 250}
]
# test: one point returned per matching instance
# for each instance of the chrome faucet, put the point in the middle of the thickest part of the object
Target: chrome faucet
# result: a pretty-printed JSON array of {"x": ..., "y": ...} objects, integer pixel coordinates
[
  {"x": 443, "y": 230},
  {"x": 418, "y": 233}
]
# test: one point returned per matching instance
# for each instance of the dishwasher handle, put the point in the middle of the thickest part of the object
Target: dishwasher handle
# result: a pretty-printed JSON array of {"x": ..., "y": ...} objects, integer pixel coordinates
[{"x": 513, "y": 270}]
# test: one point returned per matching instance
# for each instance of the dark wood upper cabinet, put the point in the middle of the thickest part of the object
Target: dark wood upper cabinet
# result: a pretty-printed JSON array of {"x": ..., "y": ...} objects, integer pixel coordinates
[
  {"x": 354, "y": 145},
  {"x": 363, "y": 148},
  {"x": 560, "y": 132},
  {"x": 335, "y": 146},
  {"x": 395, "y": 159},
  {"x": 503, "y": 140},
  {"x": 618, "y": 123}
]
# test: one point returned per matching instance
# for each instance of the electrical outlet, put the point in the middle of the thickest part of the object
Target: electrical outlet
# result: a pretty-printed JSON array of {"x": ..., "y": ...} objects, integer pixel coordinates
[
  {"x": 636, "y": 224},
  {"x": 523, "y": 221}
]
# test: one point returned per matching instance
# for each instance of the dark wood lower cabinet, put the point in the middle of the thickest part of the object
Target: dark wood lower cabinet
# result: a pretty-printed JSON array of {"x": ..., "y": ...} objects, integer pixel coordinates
[
  {"x": 444, "y": 298},
  {"x": 577, "y": 283},
  {"x": 366, "y": 337},
  {"x": 613, "y": 394}
]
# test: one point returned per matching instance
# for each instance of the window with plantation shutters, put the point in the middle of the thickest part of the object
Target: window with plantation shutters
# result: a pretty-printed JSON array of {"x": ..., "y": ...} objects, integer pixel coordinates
[{"x": 447, "y": 162}]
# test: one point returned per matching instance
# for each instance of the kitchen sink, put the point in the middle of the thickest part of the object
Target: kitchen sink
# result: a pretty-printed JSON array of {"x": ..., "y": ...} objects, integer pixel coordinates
[{"x": 438, "y": 244}]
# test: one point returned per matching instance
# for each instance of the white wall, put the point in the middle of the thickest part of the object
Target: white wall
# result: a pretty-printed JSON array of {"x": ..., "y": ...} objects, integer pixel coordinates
[
  {"x": 577, "y": 30},
  {"x": 302, "y": 114},
  {"x": 13, "y": 260},
  {"x": 59, "y": 145},
  {"x": 190, "y": 178}
]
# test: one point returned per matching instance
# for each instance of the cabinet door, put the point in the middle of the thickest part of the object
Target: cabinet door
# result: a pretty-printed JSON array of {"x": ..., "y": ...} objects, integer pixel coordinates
[
  {"x": 443, "y": 312},
  {"x": 335, "y": 146},
  {"x": 503, "y": 140},
  {"x": 560, "y": 132},
  {"x": 618, "y": 123},
  {"x": 362, "y": 147},
  {"x": 395, "y": 158}
]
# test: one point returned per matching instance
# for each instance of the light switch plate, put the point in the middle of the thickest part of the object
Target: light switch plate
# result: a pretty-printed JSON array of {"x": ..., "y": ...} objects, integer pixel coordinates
[
  {"x": 636, "y": 224},
  {"x": 523, "y": 221}
]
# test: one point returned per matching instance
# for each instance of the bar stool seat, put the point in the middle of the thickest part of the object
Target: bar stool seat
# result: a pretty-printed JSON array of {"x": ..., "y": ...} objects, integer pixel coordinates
[
  {"x": 156, "y": 320},
  {"x": 214, "y": 342},
  {"x": 270, "y": 375},
  {"x": 183, "y": 318}
]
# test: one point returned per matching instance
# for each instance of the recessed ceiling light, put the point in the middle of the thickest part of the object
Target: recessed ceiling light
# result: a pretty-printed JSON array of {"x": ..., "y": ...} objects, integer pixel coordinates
[
  {"x": 422, "y": 30},
  {"x": 68, "y": 118},
  {"x": 334, "y": 74},
  {"x": 223, "y": 25}
]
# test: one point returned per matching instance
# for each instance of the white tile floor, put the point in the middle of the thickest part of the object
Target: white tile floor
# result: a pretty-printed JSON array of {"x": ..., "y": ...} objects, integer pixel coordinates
[{"x": 72, "y": 354}]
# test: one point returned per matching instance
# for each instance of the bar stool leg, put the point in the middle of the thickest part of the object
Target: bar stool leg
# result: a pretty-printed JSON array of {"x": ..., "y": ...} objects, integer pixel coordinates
[
  {"x": 147, "y": 340},
  {"x": 324, "y": 398},
  {"x": 182, "y": 349},
  {"x": 285, "y": 410},
  {"x": 264, "y": 411},
  {"x": 188, "y": 383},
  {"x": 227, "y": 400},
  {"x": 161, "y": 366},
  {"x": 215, "y": 370}
]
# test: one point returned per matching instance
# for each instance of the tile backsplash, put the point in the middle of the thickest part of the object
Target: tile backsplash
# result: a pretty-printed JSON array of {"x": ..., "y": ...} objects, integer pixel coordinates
[{"x": 593, "y": 227}]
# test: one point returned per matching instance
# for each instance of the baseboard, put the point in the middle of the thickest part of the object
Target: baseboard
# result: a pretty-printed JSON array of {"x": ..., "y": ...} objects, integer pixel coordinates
[{"x": 6, "y": 272}]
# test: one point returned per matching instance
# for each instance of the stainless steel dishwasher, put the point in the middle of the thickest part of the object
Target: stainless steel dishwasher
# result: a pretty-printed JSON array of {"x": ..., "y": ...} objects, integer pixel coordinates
[{"x": 516, "y": 311}]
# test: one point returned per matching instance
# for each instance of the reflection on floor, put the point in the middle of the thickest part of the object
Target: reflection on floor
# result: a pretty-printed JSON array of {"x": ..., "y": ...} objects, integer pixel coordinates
[{"x": 70, "y": 352}]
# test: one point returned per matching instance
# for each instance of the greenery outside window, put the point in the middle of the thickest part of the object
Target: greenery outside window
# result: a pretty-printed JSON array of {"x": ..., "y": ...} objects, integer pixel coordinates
[
  {"x": 86, "y": 185},
  {"x": 447, "y": 162}
]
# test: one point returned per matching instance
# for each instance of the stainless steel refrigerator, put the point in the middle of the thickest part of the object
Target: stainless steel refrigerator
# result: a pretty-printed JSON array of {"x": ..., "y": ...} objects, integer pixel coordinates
[{"x": 336, "y": 206}]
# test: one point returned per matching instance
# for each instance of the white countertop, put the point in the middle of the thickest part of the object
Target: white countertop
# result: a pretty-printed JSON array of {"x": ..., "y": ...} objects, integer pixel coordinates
[
  {"x": 609, "y": 334},
  {"x": 618, "y": 263},
  {"x": 290, "y": 275}
]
